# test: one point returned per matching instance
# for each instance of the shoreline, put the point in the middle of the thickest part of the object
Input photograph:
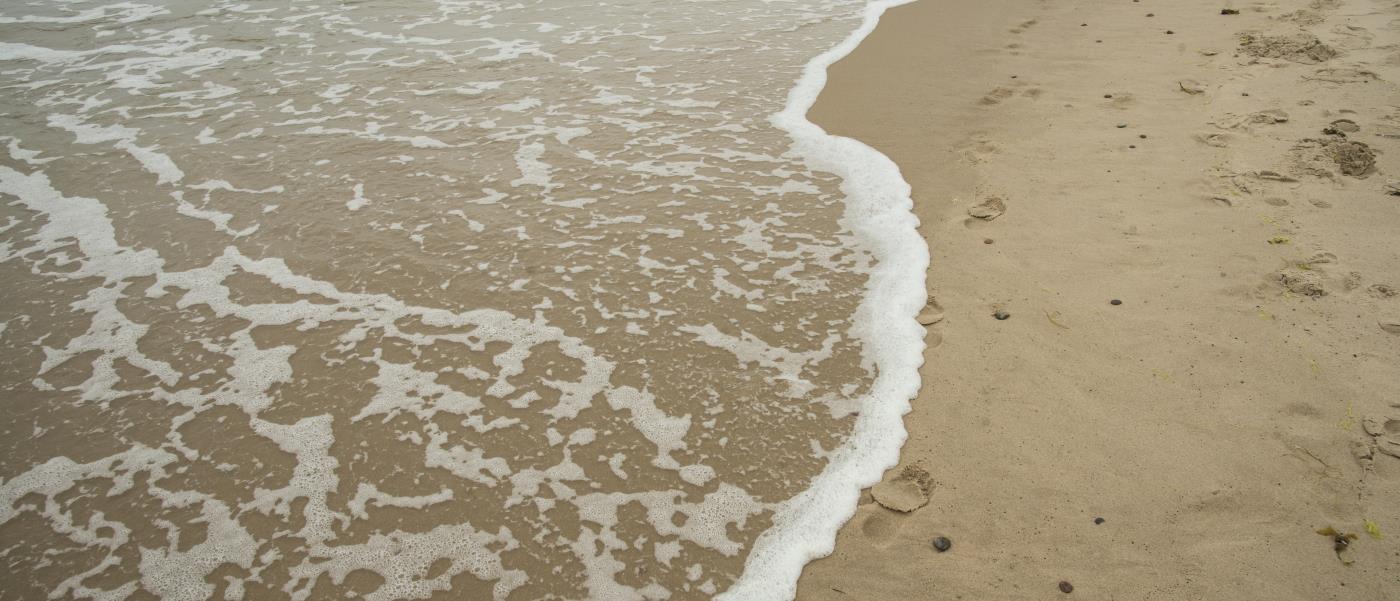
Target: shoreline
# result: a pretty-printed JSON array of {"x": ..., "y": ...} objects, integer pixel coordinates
[{"x": 1237, "y": 398}]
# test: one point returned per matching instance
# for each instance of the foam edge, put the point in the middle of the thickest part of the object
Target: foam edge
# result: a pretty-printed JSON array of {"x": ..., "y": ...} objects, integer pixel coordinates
[{"x": 879, "y": 211}]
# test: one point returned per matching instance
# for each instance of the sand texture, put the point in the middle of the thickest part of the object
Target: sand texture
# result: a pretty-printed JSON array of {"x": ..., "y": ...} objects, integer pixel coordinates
[{"x": 1231, "y": 180}]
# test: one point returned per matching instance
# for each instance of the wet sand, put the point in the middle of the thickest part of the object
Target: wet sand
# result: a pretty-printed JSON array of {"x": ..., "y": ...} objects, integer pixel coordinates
[{"x": 1240, "y": 397}]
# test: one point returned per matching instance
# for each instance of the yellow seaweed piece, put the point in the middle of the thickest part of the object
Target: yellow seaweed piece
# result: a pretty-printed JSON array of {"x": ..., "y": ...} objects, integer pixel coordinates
[{"x": 1373, "y": 529}]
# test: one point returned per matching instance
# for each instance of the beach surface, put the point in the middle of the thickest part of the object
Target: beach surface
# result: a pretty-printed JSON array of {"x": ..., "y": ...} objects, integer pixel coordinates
[{"x": 1163, "y": 322}]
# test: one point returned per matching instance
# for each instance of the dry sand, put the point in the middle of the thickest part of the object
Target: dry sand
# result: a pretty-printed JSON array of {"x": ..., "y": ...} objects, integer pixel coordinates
[{"x": 1246, "y": 391}]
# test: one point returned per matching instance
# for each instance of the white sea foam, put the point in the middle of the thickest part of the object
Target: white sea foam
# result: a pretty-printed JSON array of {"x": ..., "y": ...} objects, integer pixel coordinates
[{"x": 878, "y": 210}]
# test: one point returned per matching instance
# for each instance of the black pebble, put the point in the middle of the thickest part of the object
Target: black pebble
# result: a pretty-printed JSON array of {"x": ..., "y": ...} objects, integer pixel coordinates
[
  {"x": 1132, "y": 146},
  {"x": 1229, "y": 11},
  {"x": 1143, "y": 136},
  {"x": 1100, "y": 520},
  {"x": 1112, "y": 302},
  {"x": 1169, "y": 32},
  {"x": 942, "y": 544},
  {"x": 1001, "y": 315},
  {"x": 1066, "y": 587},
  {"x": 1150, "y": 14},
  {"x": 986, "y": 241},
  {"x": 1108, "y": 95}
]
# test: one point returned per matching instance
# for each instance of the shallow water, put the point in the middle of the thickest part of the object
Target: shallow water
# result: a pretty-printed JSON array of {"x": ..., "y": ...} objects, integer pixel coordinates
[{"x": 413, "y": 299}]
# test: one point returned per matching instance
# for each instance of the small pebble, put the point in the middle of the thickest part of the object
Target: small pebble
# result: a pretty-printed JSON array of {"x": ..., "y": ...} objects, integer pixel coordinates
[
  {"x": 942, "y": 544},
  {"x": 1150, "y": 15},
  {"x": 1143, "y": 136},
  {"x": 1122, "y": 125},
  {"x": 1244, "y": 93},
  {"x": 986, "y": 241},
  {"x": 1169, "y": 32},
  {"x": 1100, "y": 520},
  {"x": 1114, "y": 302},
  {"x": 1001, "y": 315},
  {"x": 1229, "y": 11},
  {"x": 1132, "y": 146},
  {"x": 1066, "y": 587},
  {"x": 1108, "y": 95},
  {"x": 1083, "y": 24},
  {"x": 1098, "y": 41}
]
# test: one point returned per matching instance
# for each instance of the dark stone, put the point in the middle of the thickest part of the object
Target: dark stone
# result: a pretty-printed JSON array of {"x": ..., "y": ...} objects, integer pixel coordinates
[
  {"x": 986, "y": 241},
  {"x": 1001, "y": 315},
  {"x": 1100, "y": 520},
  {"x": 1229, "y": 11},
  {"x": 942, "y": 544},
  {"x": 1066, "y": 587},
  {"x": 1114, "y": 302}
]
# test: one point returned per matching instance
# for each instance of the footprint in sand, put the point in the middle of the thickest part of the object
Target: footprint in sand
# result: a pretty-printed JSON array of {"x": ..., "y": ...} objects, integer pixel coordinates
[
  {"x": 1299, "y": 47},
  {"x": 1122, "y": 101},
  {"x": 1268, "y": 117},
  {"x": 1214, "y": 140},
  {"x": 1246, "y": 122},
  {"x": 990, "y": 208},
  {"x": 1385, "y": 431},
  {"x": 1191, "y": 86},
  {"x": 1353, "y": 37},
  {"x": 906, "y": 492},
  {"x": 1382, "y": 291},
  {"x": 881, "y": 527},
  {"x": 1341, "y": 127},
  {"x": 1251, "y": 183},
  {"x": 996, "y": 96},
  {"x": 1302, "y": 282},
  {"x": 1303, "y": 17},
  {"x": 1321, "y": 258},
  {"x": 1320, "y": 157},
  {"x": 977, "y": 148},
  {"x": 931, "y": 314},
  {"x": 1343, "y": 75}
]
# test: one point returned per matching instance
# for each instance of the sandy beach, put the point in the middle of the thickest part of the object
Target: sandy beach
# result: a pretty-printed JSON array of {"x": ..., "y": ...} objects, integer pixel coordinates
[
  {"x": 1163, "y": 322},
  {"x": 616, "y": 301}
]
